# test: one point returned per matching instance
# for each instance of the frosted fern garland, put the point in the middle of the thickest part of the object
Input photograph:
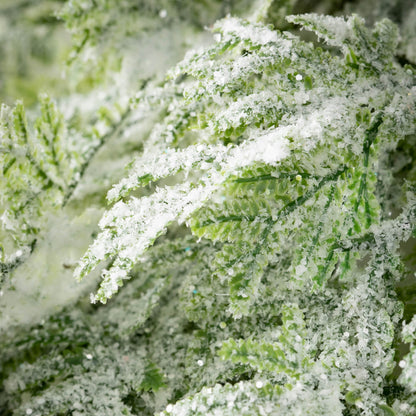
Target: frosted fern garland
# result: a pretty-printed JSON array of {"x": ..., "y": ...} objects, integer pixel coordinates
[
  {"x": 282, "y": 300},
  {"x": 302, "y": 132},
  {"x": 320, "y": 133}
]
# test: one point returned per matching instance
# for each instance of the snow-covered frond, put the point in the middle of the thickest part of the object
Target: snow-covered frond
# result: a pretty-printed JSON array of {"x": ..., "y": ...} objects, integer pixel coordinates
[
  {"x": 129, "y": 228},
  {"x": 269, "y": 108}
]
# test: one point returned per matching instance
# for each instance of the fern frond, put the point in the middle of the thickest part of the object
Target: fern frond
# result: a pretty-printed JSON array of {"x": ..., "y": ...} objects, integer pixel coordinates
[
  {"x": 183, "y": 200},
  {"x": 38, "y": 169},
  {"x": 287, "y": 355}
]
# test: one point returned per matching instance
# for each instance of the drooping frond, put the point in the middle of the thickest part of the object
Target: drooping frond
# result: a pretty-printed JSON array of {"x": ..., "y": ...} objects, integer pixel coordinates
[{"x": 279, "y": 106}]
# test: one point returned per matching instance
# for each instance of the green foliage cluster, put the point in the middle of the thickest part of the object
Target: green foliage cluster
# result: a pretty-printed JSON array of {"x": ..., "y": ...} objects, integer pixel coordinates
[{"x": 256, "y": 240}]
